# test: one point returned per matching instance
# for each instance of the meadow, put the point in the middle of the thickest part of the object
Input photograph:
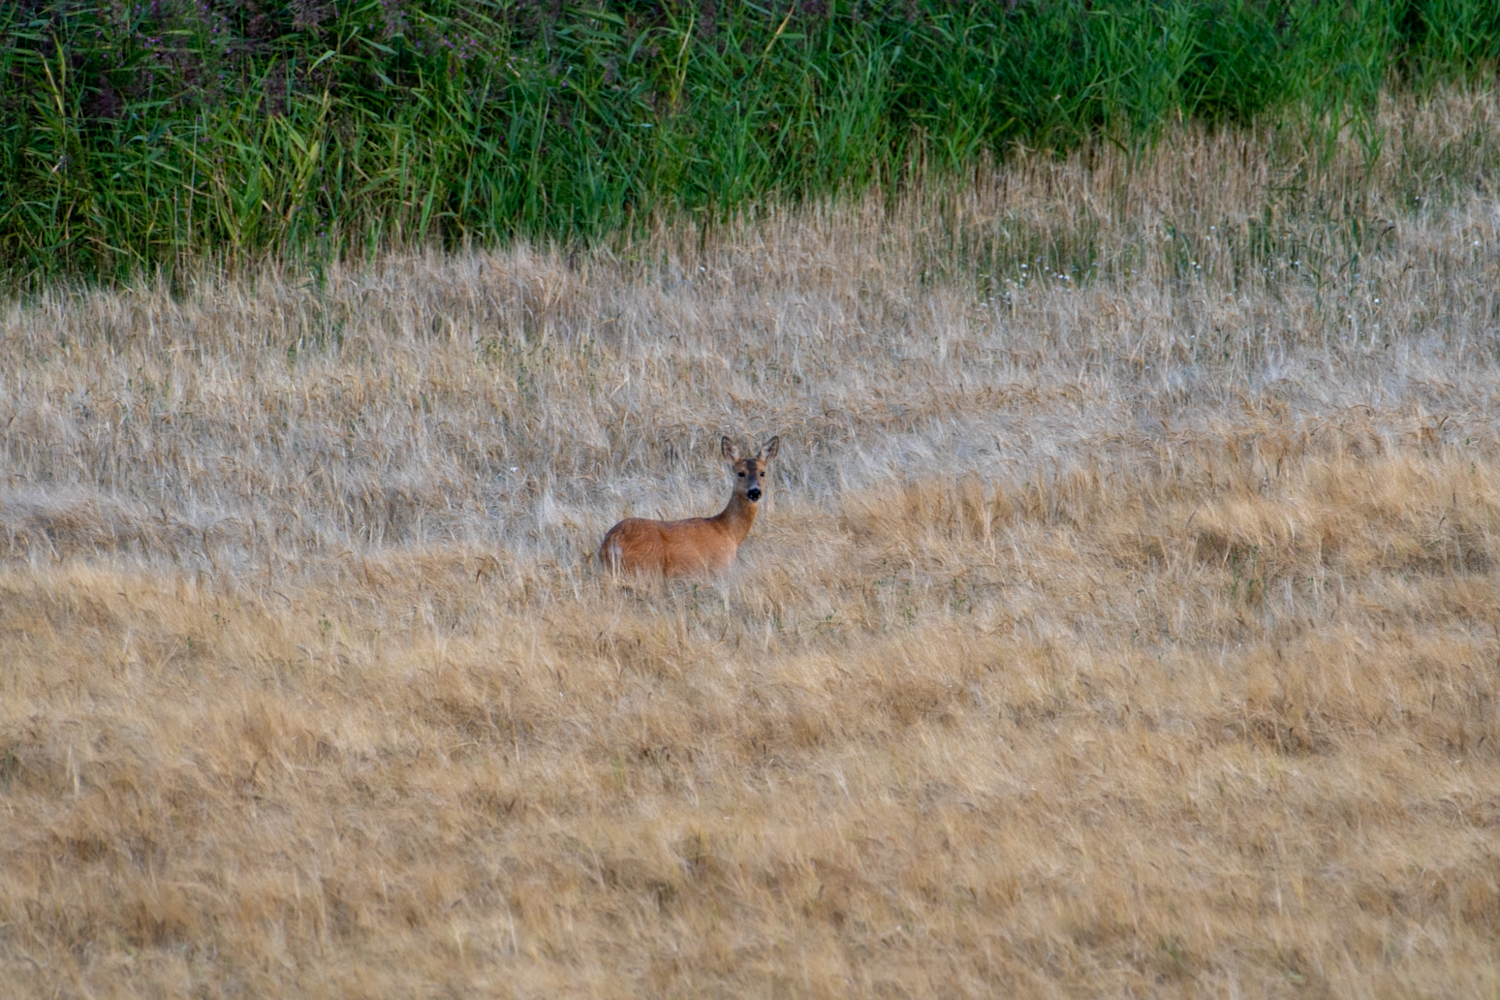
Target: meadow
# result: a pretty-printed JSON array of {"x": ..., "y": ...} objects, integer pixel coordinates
[{"x": 1124, "y": 618}]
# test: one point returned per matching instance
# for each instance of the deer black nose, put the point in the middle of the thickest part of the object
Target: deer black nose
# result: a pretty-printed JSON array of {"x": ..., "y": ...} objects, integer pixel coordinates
[{"x": 753, "y": 493}]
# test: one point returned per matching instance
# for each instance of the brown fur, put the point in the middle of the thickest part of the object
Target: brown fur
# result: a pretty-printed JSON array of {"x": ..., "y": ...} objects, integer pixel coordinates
[{"x": 696, "y": 545}]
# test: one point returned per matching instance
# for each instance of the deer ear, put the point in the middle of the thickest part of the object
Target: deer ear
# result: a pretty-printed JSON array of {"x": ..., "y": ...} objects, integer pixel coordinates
[
  {"x": 768, "y": 452},
  {"x": 728, "y": 450}
]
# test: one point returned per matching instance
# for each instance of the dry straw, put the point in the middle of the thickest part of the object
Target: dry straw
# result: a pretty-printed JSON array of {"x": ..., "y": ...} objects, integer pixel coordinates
[{"x": 1124, "y": 622}]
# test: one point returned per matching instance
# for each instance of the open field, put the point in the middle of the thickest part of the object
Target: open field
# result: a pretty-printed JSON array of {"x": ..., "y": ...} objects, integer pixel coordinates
[{"x": 1124, "y": 620}]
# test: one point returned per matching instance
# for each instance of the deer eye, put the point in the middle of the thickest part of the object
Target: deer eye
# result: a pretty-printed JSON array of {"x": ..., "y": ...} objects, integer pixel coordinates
[{"x": 742, "y": 475}]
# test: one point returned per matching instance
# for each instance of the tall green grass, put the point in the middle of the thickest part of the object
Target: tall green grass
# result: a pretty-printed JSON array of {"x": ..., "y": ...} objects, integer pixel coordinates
[{"x": 135, "y": 137}]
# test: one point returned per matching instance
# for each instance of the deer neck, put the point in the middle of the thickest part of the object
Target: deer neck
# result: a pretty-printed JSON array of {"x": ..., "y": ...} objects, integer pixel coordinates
[{"x": 737, "y": 518}]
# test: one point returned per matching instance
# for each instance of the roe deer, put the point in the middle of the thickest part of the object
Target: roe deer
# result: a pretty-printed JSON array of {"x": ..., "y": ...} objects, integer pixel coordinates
[{"x": 697, "y": 544}]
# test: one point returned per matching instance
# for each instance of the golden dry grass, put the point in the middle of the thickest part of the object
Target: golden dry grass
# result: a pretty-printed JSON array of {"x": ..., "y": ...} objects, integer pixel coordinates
[{"x": 1133, "y": 638}]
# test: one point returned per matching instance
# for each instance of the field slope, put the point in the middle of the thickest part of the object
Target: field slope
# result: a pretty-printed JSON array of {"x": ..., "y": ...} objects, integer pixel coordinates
[{"x": 1125, "y": 618}]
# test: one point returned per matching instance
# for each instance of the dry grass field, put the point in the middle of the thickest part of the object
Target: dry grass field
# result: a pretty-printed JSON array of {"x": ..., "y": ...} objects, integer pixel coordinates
[{"x": 1124, "y": 620}]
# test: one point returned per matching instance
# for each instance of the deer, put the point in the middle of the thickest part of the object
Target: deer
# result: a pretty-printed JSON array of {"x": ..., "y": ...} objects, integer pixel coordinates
[{"x": 697, "y": 545}]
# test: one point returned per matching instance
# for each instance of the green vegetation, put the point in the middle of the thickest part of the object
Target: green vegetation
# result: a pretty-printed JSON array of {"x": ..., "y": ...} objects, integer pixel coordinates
[{"x": 133, "y": 137}]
